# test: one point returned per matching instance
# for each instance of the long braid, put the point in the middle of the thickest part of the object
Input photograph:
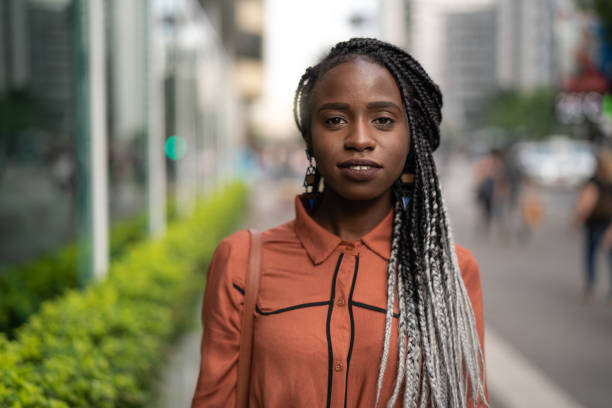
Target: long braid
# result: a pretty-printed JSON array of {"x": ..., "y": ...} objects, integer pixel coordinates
[
  {"x": 438, "y": 346},
  {"x": 391, "y": 282}
]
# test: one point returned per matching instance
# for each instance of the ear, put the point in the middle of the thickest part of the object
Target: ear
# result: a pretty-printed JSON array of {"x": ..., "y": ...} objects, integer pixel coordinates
[{"x": 309, "y": 149}]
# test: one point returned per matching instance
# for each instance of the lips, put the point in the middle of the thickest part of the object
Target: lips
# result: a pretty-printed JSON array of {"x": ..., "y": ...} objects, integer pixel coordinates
[
  {"x": 359, "y": 169},
  {"x": 359, "y": 163}
]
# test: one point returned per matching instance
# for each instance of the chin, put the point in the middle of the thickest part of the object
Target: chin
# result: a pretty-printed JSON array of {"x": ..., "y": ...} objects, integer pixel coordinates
[{"x": 360, "y": 194}]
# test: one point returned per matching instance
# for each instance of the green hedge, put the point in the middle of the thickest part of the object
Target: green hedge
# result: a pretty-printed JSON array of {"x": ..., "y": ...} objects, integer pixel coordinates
[
  {"x": 24, "y": 287},
  {"x": 102, "y": 347}
]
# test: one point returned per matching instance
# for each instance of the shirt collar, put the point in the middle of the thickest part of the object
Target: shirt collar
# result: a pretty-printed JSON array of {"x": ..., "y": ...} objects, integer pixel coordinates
[{"x": 320, "y": 243}]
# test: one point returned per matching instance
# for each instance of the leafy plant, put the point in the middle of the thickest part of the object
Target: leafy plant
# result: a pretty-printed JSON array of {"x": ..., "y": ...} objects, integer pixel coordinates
[
  {"x": 103, "y": 346},
  {"x": 531, "y": 114},
  {"x": 24, "y": 287}
]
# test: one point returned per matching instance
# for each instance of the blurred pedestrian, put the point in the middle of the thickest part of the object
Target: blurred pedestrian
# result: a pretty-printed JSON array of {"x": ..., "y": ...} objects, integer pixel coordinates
[
  {"x": 492, "y": 189},
  {"x": 607, "y": 241},
  {"x": 515, "y": 180},
  {"x": 532, "y": 209},
  {"x": 594, "y": 212},
  {"x": 403, "y": 321}
]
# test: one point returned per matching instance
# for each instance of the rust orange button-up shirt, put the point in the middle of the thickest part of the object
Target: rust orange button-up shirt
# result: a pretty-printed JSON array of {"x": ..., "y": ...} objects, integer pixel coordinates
[{"x": 320, "y": 316}]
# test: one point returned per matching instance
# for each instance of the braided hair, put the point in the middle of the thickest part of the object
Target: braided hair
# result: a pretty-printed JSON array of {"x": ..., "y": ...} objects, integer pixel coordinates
[{"x": 439, "y": 354}]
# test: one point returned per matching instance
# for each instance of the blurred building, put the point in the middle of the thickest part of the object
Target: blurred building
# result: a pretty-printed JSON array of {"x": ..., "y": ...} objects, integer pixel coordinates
[
  {"x": 469, "y": 63},
  {"x": 395, "y": 22},
  {"x": 249, "y": 48},
  {"x": 14, "y": 61},
  {"x": 108, "y": 108},
  {"x": 454, "y": 40},
  {"x": 525, "y": 43},
  {"x": 37, "y": 127},
  {"x": 241, "y": 25}
]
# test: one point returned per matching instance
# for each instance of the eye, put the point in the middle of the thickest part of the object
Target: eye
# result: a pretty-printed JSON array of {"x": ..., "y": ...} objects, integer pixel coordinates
[
  {"x": 383, "y": 122},
  {"x": 335, "y": 121}
]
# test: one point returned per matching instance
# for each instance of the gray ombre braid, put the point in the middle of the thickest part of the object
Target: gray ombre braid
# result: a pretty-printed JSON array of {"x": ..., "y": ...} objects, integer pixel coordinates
[{"x": 439, "y": 352}]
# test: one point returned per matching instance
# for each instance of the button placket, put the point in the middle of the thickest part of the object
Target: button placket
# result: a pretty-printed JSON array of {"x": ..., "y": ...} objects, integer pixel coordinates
[{"x": 341, "y": 323}]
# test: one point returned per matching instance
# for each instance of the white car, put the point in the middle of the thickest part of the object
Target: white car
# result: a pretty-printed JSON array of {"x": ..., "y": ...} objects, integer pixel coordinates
[{"x": 558, "y": 162}]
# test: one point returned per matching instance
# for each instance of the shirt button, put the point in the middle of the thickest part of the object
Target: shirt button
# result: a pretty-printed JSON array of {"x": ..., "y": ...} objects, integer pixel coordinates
[
  {"x": 340, "y": 302},
  {"x": 339, "y": 366}
]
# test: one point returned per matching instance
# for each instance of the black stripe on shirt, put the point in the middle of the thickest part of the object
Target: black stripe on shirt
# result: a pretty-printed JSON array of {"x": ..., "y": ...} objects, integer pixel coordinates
[
  {"x": 330, "y": 352},
  {"x": 350, "y": 306},
  {"x": 374, "y": 308},
  {"x": 285, "y": 309},
  {"x": 238, "y": 288}
]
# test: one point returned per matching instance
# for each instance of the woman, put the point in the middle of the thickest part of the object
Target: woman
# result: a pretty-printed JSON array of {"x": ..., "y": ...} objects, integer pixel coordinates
[
  {"x": 594, "y": 211},
  {"x": 364, "y": 299}
]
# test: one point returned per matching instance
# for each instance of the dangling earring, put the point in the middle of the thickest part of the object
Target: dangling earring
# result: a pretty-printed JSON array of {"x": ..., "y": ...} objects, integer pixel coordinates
[
  {"x": 406, "y": 181},
  {"x": 311, "y": 172},
  {"x": 311, "y": 181}
]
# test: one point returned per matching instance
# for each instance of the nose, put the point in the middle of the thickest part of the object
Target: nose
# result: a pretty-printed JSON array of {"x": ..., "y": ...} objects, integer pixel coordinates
[{"x": 359, "y": 137}]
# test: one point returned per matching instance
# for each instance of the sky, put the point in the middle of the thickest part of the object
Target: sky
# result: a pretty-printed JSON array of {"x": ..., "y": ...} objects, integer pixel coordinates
[{"x": 297, "y": 34}]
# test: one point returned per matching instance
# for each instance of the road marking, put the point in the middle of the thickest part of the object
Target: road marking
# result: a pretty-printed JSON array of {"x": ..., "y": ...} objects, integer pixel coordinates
[{"x": 516, "y": 383}]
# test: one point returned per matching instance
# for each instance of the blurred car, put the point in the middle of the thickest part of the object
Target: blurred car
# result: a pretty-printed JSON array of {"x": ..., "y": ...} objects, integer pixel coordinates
[{"x": 557, "y": 162}]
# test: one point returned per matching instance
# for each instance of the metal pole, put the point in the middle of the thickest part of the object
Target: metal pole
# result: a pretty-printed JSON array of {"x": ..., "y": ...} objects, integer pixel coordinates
[
  {"x": 156, "y": 163},
  {"x": 98, "y": 146}
]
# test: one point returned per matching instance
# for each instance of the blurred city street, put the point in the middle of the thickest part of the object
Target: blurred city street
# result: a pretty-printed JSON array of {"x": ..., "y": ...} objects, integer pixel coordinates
[
  {"x": 533, "y": 293},
  {"x": 270, "y": 204},
  {"x": 125, "y": 126}
]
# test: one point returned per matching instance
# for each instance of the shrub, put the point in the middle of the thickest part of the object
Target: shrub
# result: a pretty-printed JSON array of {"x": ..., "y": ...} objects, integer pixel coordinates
[
  {"x": 102, "y": 347},
  {"x": 26, "y": 286}
]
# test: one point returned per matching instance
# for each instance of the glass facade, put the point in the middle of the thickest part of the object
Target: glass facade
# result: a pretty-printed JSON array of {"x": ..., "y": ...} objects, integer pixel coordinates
[
  {"x": 133, "y": 96},
  {"x": 37, "y": 128}
]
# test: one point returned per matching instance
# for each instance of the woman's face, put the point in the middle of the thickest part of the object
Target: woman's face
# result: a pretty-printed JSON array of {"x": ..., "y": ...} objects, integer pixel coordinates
[{"x": 359, "y": 130}]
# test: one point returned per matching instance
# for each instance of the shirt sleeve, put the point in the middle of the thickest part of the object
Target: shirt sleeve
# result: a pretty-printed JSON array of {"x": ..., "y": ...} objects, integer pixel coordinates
[
  {"x": 471, "y": 279},
  {"x": 221, "y": 316}
]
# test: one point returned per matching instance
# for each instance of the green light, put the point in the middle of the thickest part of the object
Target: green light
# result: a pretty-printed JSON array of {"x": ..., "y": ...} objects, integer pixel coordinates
[{"x": 176, "y": 147}]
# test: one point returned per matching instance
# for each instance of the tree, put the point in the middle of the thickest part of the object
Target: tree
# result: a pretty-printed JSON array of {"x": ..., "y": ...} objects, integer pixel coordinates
[{"x": 523, "y": 114}]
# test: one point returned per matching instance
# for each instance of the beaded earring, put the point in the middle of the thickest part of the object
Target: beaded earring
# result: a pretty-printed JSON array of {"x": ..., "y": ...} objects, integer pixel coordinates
[
  {"x": 406, "y": 180},
  {"x": 311, "y": 181}
]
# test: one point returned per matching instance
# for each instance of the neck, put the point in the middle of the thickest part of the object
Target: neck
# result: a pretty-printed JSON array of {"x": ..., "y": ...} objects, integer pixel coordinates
[{"x": 348, "y": 219}]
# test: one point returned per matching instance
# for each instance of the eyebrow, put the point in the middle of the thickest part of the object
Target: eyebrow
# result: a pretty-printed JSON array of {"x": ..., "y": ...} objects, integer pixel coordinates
[
  {"x": 371, "y": 105},
  {"x": 383, "y": 104},
  {"x": 333, "y": 105}
]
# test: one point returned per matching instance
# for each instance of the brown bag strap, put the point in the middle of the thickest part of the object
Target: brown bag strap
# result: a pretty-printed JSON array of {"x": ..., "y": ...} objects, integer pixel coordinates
[{"x": 246, "y": 328}]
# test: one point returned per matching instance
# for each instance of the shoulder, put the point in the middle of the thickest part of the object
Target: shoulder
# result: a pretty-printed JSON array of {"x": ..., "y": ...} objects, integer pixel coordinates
[
  {"x": 231, "y": 257},
  {"x": 280, "y": 235},
  {"x": 232, "y": 253},
  {"x": 236, "y": 244},
  {"x": 239, "y": 242},
  {"x": 464, "y": 257},
  {"x": 468, "y": 267}
]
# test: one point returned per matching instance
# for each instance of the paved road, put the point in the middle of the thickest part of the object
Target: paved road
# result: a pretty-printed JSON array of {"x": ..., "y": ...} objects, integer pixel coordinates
[
  {"x": 271, "y": 205},
  {"x": 532, "y": 293}
]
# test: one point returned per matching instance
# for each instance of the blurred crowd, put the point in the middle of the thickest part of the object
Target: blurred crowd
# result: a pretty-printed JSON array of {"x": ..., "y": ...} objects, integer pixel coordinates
[{"x": 509, "y": 194}]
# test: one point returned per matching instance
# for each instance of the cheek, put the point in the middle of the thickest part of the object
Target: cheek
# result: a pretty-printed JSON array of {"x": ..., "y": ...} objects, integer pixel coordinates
[
  {"x": 323, "y": 149},
  {"x": 399, "y": 160},
  {"x": 400, "y": 151}
]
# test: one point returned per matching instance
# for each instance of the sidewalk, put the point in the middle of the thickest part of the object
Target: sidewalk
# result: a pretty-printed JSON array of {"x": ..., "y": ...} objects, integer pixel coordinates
[
  {"x": 544, "y": 348},
  {"x": 180, "y": 375}
]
